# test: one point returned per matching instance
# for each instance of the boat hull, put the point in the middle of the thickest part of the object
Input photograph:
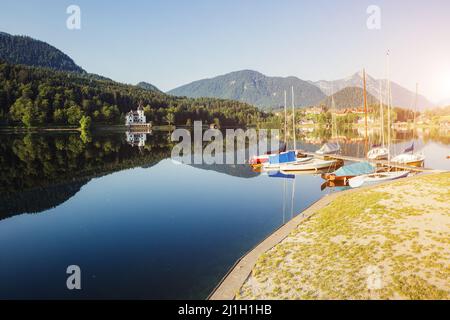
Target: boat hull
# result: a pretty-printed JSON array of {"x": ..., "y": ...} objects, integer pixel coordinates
[
  {"x": 313, "y": 165},
  {"x": 277, "y": 166},
  {"x": 413, "y": 160},
  {"x": 373, "y": 178},
  {"x": 333, "y": 177}
]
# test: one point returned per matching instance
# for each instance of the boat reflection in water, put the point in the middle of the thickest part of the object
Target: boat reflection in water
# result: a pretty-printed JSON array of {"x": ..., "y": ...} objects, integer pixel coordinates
[{"x": 139, "y": 225}]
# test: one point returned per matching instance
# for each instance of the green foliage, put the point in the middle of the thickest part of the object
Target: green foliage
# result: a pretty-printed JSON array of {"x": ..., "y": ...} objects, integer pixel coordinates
[
  {"x": 28, "y": 51},
  {"x": 85, "y": 123},
  {"x": 170, "y": 118},
  {"x": 37, "y": 96}
]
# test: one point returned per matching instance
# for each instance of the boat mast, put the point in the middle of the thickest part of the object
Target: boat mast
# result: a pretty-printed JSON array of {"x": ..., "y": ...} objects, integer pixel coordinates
[
  {"x": 293, "y": 118},
  {"x": 285, "y": 117},
  {"x": 381, "y": 114},
  {"x": 389, "y": 107},
  {"x": 365, "y": 106},
  {"x": 333, "y": 115},
  {"x": 415, "y": 106},
  {"x": 292, "y": 198}
]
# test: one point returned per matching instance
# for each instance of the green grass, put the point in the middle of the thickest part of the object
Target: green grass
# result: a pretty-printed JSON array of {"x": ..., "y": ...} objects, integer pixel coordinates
[{"x": 355, "y": 233}]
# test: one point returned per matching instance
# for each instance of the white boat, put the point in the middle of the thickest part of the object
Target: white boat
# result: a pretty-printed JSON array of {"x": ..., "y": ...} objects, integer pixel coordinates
[
  {"x": 378, "y": 153},
  {"x": 276, "y": 166},
  {"x": 411, "y": 159},
  {"x": 329, "y": 148},
  {"x": 378, "y": 177},
  {"x": 408, "y": 156},
  {"x": 311, "y": 165}
]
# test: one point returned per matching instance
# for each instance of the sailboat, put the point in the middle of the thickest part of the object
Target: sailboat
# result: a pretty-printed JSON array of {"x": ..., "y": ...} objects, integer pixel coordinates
[
  {"x": 258, "y": 161},
  {"x": 377, "y": 177},
  {"x": 331, "y": 147},
  {"x": 408, "y": 156},
  {"x": 379, "y": 152},
  {"x": 272, "y": 160},
  {"x": 311, "y": 165},
  {"x": 305, "y": 163},
  {"x": 350, "y": 171},
  {"x": 289, "y": 157}
]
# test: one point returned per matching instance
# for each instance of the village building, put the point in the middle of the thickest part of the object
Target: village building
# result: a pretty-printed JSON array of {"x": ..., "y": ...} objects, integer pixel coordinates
[
  {"x": 315, "y": 110},
  {"x": 136, "y": 139},
  {"x": 135, "y": 117}
]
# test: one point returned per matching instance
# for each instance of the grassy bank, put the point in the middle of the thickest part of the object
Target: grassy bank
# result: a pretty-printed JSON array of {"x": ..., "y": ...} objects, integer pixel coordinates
[{"x": 389, "y": 242}]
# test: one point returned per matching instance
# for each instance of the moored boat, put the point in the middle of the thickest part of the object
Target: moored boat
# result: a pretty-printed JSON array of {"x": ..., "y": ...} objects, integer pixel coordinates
[
  {"x": 377, "y": 177},
  {"x": 378, "y": 153},
  {"x": 311, "y": 165},
  {"x": 414, "y": 160},
  {"x": 276, "y": 159},
  {"x": 350, "y": 171},
  {"x": 261, "y": 159},
  {"x": 329, "y": 148}
]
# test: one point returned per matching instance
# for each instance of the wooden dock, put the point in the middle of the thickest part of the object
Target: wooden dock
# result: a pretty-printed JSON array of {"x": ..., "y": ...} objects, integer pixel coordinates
[{"x": 378, "y": 163}]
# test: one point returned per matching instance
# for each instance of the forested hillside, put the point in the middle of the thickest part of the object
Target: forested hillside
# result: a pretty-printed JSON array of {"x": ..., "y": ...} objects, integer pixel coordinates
[
  {"x": 253, "y": 87},
  {"x": 351, "y": 97},
  {"x": 33, "y": 96},
  {"x": 32, "y": 52}
]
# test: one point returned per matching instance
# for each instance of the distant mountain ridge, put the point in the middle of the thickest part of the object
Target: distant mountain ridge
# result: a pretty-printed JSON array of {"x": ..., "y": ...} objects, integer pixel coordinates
[
  {"x": 254, "y": 88},
  {"x": 31, "y": 52},
  {"x": 148, "y": 86},
  {"x": 260, "y": 90},
  {"x": 401, "y": 97},
  {"x": 444, "y": 103},
  {"x": 350, "y": 97}
]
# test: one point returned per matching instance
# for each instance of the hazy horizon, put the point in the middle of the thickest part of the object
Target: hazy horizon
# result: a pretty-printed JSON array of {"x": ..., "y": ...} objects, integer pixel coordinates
[{"x": 172, "y": 43}]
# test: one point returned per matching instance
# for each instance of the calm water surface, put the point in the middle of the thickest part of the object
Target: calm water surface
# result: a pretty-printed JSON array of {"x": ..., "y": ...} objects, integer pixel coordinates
[{"x": 137, "y": 224}]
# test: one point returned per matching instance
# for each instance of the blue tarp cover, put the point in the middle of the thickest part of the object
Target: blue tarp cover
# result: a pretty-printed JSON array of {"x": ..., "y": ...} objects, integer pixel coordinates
[
  {"x": 282, "y": 157},
  {"x": 355, "y": 169},
  {"x": 278, "y": 174}
]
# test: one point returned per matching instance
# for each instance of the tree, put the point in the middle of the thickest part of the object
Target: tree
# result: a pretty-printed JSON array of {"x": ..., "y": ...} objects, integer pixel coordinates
[
  {"x": 216, "y": 121},
  {"x": 59, "y": 116},
  {"x": 85, "y": 123},
  {"x": 57, "y": 98},
  {"x": 170, "y": 118},
  {"x": 74, "y": 115}
]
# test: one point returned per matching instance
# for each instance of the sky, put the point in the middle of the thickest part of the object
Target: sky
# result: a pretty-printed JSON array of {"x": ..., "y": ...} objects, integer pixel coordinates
[{"x": 173, "y": 42}]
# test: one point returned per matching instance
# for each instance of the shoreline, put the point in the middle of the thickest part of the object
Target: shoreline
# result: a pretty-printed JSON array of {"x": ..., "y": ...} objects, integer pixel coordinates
[
  {"x": 232, "y": 283},
  {"x": 100, "y": 128}
]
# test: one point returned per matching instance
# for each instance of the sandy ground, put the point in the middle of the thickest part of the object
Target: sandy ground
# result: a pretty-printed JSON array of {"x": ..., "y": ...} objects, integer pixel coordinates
[{"x": 389, "y": 242}]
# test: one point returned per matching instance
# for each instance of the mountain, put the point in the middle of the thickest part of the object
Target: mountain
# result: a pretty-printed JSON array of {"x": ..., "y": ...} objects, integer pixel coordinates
[
  {"x": 444, "y": 103},
  {"x": 148, "y": 86},
  {"x": 350, "y": 97},
  {"x": 401, "y": 97},
  {"x": 254, "y": 88},
  {"x": 28, "y": 51}
]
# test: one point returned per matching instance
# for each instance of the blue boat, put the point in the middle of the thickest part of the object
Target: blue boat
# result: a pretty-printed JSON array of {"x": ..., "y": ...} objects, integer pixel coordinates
[{"x": 350, "y": 171}]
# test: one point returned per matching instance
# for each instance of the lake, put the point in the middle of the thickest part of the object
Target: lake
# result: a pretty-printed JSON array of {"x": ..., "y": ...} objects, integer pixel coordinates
[{"x": 138, "y": 224}]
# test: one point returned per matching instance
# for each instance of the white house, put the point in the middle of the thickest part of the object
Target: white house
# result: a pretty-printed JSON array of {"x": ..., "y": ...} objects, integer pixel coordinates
[
  {"x": 135, "y": 117},
  {"x": 136, "y": 139}
]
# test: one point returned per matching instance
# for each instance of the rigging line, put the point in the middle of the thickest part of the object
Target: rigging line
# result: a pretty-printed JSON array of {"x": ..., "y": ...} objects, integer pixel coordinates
[
  {"x": 284, "y": 200},
  {"x": 293, "y": 119},
  {"x": 285, "y": 116},
  {"x": 381, "y": 114},
  {"x": 292, "y": 199}
]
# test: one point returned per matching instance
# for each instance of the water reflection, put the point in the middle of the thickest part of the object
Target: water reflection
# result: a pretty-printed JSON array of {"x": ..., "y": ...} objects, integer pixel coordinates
[{"x": 139, "y": 225}]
